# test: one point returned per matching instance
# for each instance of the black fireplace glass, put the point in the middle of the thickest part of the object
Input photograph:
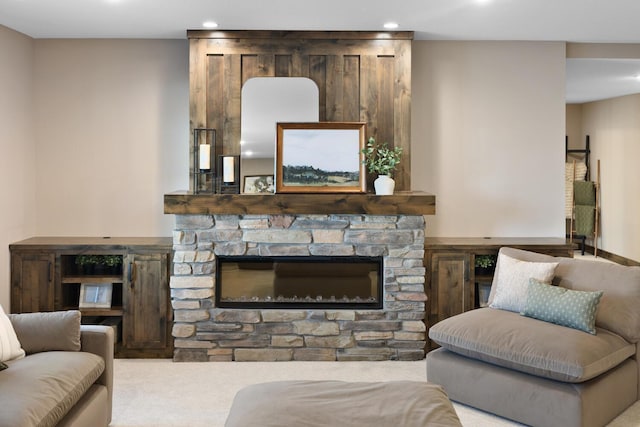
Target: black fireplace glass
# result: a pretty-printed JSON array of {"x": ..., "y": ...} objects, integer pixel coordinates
[{"x": 299, "y": 282}]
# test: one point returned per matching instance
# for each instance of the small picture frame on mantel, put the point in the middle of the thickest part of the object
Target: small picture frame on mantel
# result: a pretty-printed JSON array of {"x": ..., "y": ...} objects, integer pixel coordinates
[
  {"x": 95, "y": 295},
  {"x": 256, "y": 184}
]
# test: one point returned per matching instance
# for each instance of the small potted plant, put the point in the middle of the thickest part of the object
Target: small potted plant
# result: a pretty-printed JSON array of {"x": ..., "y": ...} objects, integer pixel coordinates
[
  {"x": 485, "y": 264},
  {"x": 100, "y": 264},
  {"x": 86, "y": 264},
  {"x": 113, "y": 263},
  {"x": 380, "y": 159}
]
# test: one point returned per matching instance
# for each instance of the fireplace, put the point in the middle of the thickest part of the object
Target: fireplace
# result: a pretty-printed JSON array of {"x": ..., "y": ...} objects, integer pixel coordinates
[
  {"x": 387, "y": 323},
  {"x": 314, "y": 282}
]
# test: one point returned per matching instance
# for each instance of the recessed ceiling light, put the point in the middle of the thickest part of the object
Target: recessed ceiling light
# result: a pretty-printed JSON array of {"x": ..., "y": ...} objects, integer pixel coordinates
[
  {"x": 210, "y": 24},
  {"x": 391, "y": 25}
]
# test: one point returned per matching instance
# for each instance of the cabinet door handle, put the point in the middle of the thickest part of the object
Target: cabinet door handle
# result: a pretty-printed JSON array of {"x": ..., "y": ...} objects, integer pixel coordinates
[
  {"x": 50, "y": 271},
  {"x": 132, "y": 274}
]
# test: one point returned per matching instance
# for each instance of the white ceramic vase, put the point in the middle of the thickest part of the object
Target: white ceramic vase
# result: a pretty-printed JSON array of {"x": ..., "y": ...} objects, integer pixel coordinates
[{"x": 384, "y": 185}]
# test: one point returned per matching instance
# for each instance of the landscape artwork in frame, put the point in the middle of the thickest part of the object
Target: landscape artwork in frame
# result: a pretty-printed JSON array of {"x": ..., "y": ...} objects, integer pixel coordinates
[
  {"x": 259, "y": 184},
  {"x": 320, "y": 157}
]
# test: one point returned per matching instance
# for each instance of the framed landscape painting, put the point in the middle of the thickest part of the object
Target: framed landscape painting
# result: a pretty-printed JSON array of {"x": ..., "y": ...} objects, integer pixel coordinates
[{"x": 320, "y": 157}]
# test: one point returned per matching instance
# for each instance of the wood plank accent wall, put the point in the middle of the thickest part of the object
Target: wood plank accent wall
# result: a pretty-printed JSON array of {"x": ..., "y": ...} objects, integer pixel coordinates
[{"x": 361, "y": 76}]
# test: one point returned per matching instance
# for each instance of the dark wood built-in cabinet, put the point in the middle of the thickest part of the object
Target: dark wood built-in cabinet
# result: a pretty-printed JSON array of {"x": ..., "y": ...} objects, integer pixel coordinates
[
  {"x": 32, "y": 281},
  {"x": 453, "y": 284},
  {"x": 147, "y": 304},
  {"x": 450, "y": 284},
  {"x": 47, "y": 275}
]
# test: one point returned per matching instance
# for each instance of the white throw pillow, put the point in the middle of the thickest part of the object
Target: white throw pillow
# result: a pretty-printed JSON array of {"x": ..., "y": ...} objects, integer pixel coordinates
[
  {"x": 9, "y": 345},
  {"x": 512, "y": 280}
]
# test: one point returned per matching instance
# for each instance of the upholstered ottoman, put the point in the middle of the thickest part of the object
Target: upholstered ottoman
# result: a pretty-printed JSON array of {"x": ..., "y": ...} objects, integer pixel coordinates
[{"x": 339, "y": 403}]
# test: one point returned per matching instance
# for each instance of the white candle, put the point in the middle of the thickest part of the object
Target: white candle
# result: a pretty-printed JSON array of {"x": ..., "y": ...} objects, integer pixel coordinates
[
  {"x": 205, "y": 156},
  {"x": 228, "y": 168}
]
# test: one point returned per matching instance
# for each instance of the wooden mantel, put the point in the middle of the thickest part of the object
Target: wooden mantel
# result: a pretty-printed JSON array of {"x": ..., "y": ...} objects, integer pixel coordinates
[{"x": 401, "y": 203}]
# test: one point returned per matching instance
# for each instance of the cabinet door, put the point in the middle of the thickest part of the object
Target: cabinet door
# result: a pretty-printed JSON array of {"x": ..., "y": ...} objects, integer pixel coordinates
[
  {"x": 147, "y": 311},
  {"x": 32, "y": 281},
  {"x": 451, "y": 289}
]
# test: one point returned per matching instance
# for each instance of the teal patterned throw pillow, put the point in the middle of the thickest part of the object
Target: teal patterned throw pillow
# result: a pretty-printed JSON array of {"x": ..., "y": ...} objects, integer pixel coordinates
[{"x": 566, "y": 307}]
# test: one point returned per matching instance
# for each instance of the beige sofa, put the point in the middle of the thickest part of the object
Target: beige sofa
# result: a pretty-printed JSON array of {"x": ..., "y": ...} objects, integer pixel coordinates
[
  {"x": 540, "y": 373},
  {"x": 66, "y": 378}
]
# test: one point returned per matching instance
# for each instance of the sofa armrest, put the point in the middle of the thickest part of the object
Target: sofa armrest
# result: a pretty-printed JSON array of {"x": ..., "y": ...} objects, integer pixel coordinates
[{"x": 99, "y": 339}]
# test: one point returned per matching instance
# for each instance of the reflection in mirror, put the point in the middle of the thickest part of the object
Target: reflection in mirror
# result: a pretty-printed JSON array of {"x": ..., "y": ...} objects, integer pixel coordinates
[
  {"x": 594, "y": 79},
  {"x": 266, "y": 101}
]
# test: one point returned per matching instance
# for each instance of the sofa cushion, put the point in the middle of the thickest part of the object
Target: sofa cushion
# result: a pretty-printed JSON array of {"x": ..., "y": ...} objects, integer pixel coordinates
[
  {"x": 562, "y": 306},
  {"x": 512, "y": 278},
  {"x": 58, "y": 330},
  {"x": 9, "y": 344},
  {"x": 41, "y": 388},
  {"x": 531, "y": 346},
  {"x": 618, "y": 310}
]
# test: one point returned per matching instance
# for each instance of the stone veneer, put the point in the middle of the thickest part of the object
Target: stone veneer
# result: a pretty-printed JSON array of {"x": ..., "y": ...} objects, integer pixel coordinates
[{"x": 203, "y": 332}]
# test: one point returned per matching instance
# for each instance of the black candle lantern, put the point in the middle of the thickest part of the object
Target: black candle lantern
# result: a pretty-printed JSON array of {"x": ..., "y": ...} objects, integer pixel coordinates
[
  {"x": 204, "y": 154},
  {"x": 228, "y": 174}
]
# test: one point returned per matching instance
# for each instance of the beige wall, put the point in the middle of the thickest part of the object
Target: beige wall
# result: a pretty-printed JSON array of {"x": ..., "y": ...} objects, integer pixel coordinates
[
  {"x": 614, "y": 131},
  {"x": 17, "y": 147},
  {"x": 488, "y": 126},
  {"x": 93, "y": 134},
  {"x": 112, "y": 135}
]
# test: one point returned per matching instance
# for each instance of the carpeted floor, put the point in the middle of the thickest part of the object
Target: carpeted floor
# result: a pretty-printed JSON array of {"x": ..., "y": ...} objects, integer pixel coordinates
[{"x": 161, "y": 393}]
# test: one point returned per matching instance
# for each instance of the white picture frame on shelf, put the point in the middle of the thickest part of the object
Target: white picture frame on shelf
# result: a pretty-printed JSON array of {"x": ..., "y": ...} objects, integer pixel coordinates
[{"x": 95, "y": 295}]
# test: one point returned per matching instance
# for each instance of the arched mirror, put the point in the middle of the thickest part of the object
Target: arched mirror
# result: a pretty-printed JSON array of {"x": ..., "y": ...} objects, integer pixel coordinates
[{"x": 266, "y": 101}]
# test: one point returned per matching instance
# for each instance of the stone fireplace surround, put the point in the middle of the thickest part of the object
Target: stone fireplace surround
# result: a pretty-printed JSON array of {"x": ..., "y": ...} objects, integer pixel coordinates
[{"x": 203, "y": 332}]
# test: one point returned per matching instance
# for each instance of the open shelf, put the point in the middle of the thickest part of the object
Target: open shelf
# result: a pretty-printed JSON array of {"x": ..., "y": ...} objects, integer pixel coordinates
[
  {"x": 75, "y": 274},
  {"x": 92, "y": 264},
  {"x": 71, "y": 295},
  {"x": 113, "y": 311},
  {"x": 92, "y": 279},
  {"x": 484, "y": 277}
]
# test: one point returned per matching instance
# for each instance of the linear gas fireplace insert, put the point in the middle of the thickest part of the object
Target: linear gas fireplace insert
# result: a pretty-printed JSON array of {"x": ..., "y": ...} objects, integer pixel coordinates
[{"x": 299, "y": 282}]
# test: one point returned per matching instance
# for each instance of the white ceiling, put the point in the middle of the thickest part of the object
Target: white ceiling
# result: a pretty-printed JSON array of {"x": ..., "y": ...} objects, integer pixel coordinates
[
  {"x": 565, "y": 20},
  {"x": 604, "y": 21}
]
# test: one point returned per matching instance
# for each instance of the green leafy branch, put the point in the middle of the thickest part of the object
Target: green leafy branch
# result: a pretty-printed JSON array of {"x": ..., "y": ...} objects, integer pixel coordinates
[{"x": 379, "y": 158}]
